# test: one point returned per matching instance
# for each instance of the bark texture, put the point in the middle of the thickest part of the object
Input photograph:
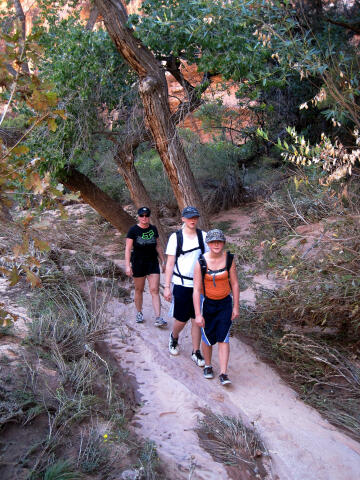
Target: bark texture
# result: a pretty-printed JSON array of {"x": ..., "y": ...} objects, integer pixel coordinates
[
  {"x": 139, "y": 195},
  {"x": 154, "y": 96},
  {"x": 99, "y": 200}
]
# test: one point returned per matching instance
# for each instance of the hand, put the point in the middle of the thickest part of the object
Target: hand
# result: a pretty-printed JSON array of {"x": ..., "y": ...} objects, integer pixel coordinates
[
  {"x": 129, "y": 271},
  {"x": 200, "y": 321},
  {"x": 235, "y": 314},
  {"x": 167, "y": 294}
]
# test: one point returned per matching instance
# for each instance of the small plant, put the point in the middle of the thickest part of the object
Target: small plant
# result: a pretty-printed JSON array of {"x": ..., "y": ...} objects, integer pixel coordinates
[
  {"x": 94, "y": 453},
  {"x": 149, "y": 460},
  {"x": 61, "y": 470},
  {"x": 229, "y": 441},
  {"x": 225, "y": 226}
]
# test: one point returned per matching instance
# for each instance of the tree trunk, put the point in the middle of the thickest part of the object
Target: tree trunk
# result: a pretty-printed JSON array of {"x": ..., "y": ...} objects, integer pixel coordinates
[
  {"x": 99, "y": 200},
  {"x": 5, "y": 215},
  {"x": 154, "y": 95},
  {"x": 139, "y": 195},
  {"x": 21, "y": 16},
  {"x": 94, "y": 13}
]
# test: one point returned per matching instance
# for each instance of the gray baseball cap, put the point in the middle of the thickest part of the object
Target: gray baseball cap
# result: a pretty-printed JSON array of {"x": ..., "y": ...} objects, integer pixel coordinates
[
  {"x": 190, "y": 212},
  {"x": 215, "y": 235}
]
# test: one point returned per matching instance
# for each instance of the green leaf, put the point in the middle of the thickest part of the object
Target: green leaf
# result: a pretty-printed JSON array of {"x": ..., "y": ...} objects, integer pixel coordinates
[{"x": 52, "y": 124}]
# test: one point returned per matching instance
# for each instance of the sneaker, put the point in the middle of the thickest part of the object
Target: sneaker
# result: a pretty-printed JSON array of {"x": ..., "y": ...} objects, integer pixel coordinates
[
  {"x": 173, "y": 345},
  {"x": 198, "y": 358},
  {"x": 224, "y": 379},
  {"x": 139, "y": 317},
  {"x": 208, "y": 372},
  {"x": 160, "y": 322}
]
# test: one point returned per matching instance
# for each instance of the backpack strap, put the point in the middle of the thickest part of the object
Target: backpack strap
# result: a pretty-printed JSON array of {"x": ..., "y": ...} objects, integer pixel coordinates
[
  {"x": 203, "y": 269},
  {"x": 229, "y": 261},
  {"x": 179, "y": 243},
  {"x": 201, "y": 240},
  {"x": 180, "y": 251}
]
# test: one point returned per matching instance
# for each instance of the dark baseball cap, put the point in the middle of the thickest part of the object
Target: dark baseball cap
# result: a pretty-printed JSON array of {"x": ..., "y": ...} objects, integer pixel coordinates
[
  {"x": 144, "y": 211},
  {"x": 190, "y": 212}
]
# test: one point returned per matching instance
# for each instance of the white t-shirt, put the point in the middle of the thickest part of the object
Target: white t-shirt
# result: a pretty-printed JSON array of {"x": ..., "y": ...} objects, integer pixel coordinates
[{"x": 185, "y": 263}]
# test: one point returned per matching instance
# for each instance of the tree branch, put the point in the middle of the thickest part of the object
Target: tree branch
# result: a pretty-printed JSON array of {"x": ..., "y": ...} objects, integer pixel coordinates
[{"x": 354, "y": 27}]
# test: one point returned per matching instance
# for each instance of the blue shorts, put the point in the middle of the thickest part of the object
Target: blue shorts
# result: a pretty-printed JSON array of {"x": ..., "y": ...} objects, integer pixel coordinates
[
  {"x": 182, "y": 307},
  {"x": 217, "y": 315}
]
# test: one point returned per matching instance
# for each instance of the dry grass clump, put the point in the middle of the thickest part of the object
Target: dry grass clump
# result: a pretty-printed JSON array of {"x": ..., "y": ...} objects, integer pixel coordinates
[
  {"x": 230, "y": 193},
  {"x": 330, "y": 380},
  {"x": 300, "y": 201},
  {"x": 325, "y": 373},
  {"x": 63, "y": 323},
  {"x": 230, "y": 442},
  {"x": 324, "y": 291}
]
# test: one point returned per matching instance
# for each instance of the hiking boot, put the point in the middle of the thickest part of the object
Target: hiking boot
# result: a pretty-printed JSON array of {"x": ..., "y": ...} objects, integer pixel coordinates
[
  {"x": 208, "y": 372},
  {"x": 160, "y": 322},
  {"x": 224, "y": 379},
  {"x": 198, "y": 358},
  {"x": 139, "y": 317},
  {"x": 173, "y": 345}
]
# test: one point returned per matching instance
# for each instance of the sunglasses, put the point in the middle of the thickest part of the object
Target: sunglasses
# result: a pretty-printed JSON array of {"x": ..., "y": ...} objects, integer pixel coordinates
[{"x": 144, "y": 215}]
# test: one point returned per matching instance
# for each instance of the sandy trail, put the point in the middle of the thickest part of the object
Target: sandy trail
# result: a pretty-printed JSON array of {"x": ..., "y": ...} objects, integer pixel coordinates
[{"x": 302, "y": 445}]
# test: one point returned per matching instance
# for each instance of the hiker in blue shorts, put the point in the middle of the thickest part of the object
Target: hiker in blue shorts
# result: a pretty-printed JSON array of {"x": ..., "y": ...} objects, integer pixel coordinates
[
  {"x": 183, "y": 250},
  {"x": 216, "y": 279}
]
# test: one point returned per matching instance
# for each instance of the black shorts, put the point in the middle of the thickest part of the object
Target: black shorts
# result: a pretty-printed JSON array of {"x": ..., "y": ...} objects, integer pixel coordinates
[
  {"x": 217, "y": 315},
  {"x": 142, "y": 267},
  {"x": 183, "y": 306}
]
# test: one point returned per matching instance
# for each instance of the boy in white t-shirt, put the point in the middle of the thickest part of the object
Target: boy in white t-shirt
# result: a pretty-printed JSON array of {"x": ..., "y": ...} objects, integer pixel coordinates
[{"x": 180, "y": 272}]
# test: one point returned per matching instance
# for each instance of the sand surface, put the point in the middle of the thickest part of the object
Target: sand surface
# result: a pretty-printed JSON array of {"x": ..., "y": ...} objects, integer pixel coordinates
[{"x": 302, "y": 445}]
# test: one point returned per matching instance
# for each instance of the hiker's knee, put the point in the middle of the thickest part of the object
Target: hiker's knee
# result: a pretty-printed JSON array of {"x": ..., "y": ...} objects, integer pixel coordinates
[{"x": 154, "y": 290}]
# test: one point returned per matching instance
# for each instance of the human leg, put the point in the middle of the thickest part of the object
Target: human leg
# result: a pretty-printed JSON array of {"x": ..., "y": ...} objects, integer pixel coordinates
[
  {"x": 177, "y": 328},
  {"x": 196, "y": 355},
  {"x": 154, "y": 281},
  {"x": 207, "y": 352},
  {"x": 139, "y": 283},
  {"x": 182, "y": 308},
  {"x": 195, "y": 335},
  {"x": 224, "y": 353}
]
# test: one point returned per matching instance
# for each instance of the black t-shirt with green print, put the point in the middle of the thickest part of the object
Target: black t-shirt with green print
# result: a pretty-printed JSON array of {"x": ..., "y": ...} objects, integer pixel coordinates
[{"x": 144, "y": 241}]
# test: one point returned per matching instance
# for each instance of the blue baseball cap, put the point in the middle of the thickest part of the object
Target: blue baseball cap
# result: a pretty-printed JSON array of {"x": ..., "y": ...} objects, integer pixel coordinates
[{"x": 190, "y": 212}]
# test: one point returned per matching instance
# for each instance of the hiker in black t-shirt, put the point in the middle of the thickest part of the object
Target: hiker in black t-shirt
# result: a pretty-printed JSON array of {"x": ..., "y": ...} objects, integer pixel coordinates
[{"x": 141, "y": 257}]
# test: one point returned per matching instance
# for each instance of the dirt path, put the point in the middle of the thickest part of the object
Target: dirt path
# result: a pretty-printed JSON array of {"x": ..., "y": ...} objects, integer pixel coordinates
[{"x": 302, "y": 445}]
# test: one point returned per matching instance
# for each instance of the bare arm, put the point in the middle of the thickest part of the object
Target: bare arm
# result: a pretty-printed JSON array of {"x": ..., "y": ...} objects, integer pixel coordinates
[
  {"x": 235, "y": 290},
  {"x": 128, "y": 248},
  {"x": 199, "y": 319},
  {"x": 161, "y": 255},
  {"x": 168, "y": 274}
]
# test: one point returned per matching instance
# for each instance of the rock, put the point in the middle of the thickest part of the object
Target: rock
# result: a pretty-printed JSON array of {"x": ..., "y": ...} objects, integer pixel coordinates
[{"x": 130, "y": 475}]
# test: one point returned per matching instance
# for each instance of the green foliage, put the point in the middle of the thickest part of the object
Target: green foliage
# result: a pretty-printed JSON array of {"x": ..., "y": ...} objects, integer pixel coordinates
[
  {"x": 95, "y": 453},
  {"x": 209, "y": 161},
  {"x": 215, "y": 36},
  {"x": 263, "y": 46},
  {"x": 151, "y": 172},
  {"x": 94, "y": 85},
  {"x": 61, "y": 470}
]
